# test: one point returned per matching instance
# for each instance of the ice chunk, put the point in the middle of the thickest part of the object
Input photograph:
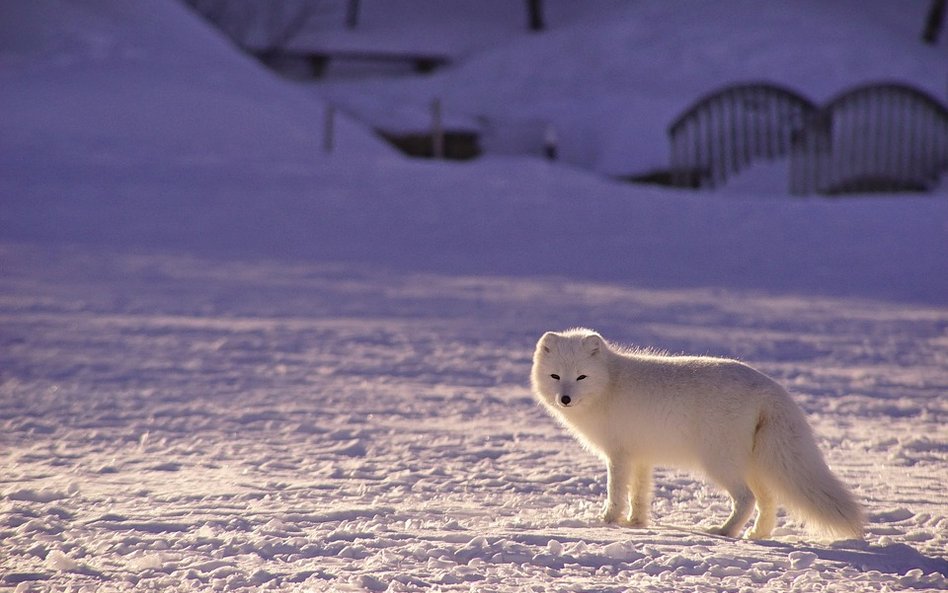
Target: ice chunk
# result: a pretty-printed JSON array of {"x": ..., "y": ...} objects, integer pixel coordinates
[
  {"x": 144, "y": 563},
  {"x": 800, "y": 560},
  {"x": 31, "y": 495},
  {"x": 621, "y": 551},
  {"x": 59, "y": 561}
]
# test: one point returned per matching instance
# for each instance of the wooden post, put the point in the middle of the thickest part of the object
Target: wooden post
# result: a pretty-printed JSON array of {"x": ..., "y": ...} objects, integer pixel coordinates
[
  {"x": 437, "y": 129},
  {"x": 329, "y": 128},
  {"x": 551, "y": 143},
  {"x": 352, "y": 14},
  {"x": 535, "y": 15},
  {"x": 934, "y": 22}
]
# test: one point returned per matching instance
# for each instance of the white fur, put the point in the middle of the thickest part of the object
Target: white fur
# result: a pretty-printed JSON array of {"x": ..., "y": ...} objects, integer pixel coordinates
[{"x": 638, "y": 409}]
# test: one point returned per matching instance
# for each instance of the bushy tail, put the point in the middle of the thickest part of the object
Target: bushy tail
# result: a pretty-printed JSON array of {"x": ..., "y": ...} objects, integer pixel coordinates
[{"x": 787, "y": 456}]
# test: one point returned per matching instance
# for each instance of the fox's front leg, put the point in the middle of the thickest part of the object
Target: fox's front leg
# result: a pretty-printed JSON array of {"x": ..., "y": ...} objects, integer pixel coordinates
[
  {"x": 641, "y": 489},
  {"x": 617, "y": 490}
]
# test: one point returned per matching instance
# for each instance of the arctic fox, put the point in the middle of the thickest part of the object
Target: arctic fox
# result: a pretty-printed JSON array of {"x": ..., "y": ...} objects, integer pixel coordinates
[{"x": 636, "y": 409}]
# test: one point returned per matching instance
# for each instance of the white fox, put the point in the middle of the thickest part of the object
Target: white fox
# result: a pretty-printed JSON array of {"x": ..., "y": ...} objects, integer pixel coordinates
[{"x": 636, "y": 409}]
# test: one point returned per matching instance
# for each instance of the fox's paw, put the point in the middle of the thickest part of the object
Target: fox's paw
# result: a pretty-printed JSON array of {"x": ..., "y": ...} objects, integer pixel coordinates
[
  {"x": 722, "y": 531},
  {"x": 758, "y": 534},
  {"x": 610, "y": 517},
  {"x": 635, "y": 522}
]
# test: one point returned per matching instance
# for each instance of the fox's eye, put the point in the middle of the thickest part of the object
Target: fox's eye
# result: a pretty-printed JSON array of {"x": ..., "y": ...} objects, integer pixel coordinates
[
  {"x": 555, "y": 376},
  {"x": 581, "y": 377}
]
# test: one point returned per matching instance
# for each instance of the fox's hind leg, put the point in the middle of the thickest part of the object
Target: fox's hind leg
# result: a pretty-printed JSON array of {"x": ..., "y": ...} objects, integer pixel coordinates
[
  {"x": 640, "y": 488},
  {"x": 728, "y": 474},
  {"x": 766, "y": 510},
  {"x": 742, "y": 505}
]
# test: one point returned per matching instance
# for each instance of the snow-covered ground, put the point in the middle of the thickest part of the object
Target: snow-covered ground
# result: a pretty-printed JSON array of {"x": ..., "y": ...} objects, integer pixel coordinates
[
  {"x": 172, "y": 423},
  {"x": 229, "y": 361}
]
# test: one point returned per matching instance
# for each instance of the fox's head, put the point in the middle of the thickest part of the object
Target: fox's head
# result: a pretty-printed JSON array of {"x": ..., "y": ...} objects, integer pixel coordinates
[{"x": 569, "y": 368}]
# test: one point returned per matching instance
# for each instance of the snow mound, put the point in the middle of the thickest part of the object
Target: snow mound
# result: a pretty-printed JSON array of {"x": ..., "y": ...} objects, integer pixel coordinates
[
  {"x": 612, "y": 83},
  {"x": 112, "y": 82}
]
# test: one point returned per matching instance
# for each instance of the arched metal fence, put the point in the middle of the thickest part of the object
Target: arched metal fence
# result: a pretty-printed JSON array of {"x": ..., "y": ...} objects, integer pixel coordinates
[
  {"x": 730, "y": 128},
  {"x": 882, "y": 137},
  {"x": 875, "y": 137}
]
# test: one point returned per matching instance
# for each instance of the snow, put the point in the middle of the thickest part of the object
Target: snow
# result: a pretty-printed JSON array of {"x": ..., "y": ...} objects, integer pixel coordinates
[
  {"x": 612, "y": 82},
  {"x": 230, "y": 361},
  {"x": 305, "y": 425}
]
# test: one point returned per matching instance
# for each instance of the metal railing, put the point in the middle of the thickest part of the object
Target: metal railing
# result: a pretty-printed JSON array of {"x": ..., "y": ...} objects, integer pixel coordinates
[
  {"x": 883, "y": 137},
  {"x": 724, "y": 131},
  {"x": 875, "y": 137}
]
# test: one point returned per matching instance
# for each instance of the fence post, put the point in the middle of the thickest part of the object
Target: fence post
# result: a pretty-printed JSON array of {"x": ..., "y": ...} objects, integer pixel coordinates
[
  {"x": 352, "y": 14},
  {"x": 550, "y": 142},
  {"x": 329, "y": 128},
  {"x": 535, "y": 11},
  {"x": 437, "y": 129}
]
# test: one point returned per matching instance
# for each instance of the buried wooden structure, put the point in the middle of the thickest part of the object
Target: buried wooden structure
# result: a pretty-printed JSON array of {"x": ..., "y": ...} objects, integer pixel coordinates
[
  {"x": 317, "y": 60},
  {"x": 881, "y": 137}
]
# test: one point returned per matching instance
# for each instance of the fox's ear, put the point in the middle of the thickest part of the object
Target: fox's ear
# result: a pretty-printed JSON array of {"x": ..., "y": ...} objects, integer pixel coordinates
[
  {"x": 592, "y": 344},
  {"x": 545, "y": 341}
]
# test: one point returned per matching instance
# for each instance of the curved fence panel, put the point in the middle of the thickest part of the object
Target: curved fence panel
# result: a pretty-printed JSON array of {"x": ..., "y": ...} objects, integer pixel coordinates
[
  {"x": 880, "y": 137},
  {"x": 726, "y": 130},
  {"x": 883, "y": 137}
]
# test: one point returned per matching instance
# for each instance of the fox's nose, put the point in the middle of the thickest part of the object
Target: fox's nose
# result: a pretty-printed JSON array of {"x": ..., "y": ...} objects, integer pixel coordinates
[{"x": 565, "y": 400}]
